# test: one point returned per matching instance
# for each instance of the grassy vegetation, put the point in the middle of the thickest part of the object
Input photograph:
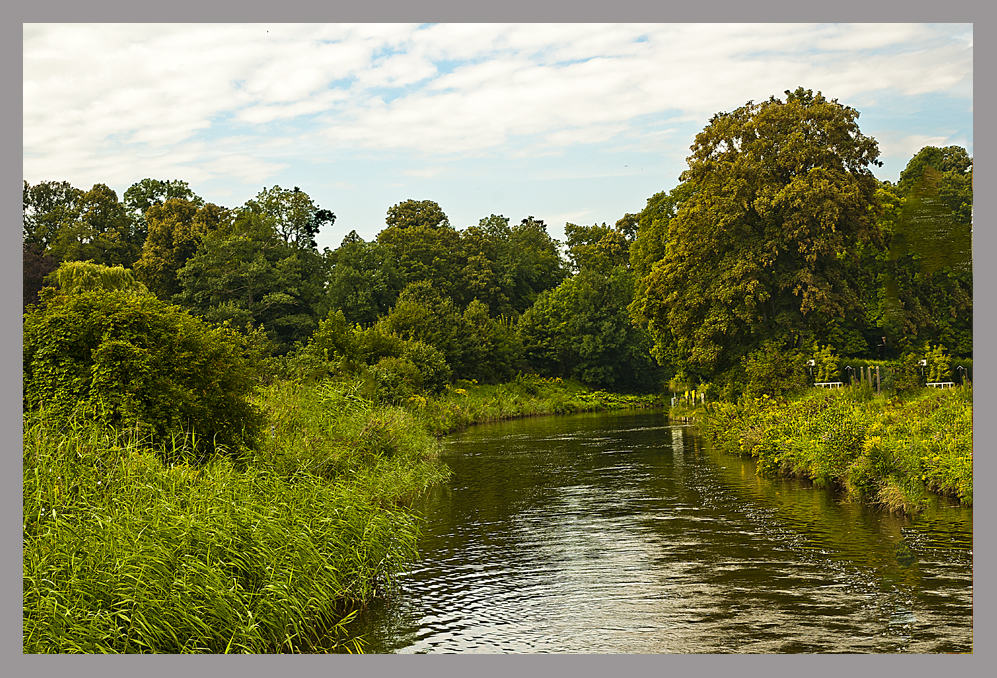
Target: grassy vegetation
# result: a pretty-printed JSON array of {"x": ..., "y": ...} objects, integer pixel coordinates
[
  {"x": 265, "y": 550},
  {"x": 526, "y": 396},
  {"x": 886, "y": 451}
]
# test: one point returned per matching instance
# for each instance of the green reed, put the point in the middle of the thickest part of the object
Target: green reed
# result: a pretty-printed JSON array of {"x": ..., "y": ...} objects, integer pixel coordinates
[{"x": 270, "y": 550}]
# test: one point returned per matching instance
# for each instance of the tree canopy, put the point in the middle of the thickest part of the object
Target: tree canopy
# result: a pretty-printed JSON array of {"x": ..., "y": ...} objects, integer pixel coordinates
[{"x": 765, "y": 245}]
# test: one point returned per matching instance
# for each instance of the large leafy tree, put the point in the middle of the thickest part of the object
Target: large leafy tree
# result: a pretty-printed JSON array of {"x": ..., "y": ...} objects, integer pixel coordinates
[
  {"x": 98, "y": 229},
  {"x": 48, "y": 206},
  {"x": 475, "y": 345},
  {"x": 582, "y": 329},
  {"x": 142, "y": 195},
  {"x": 535, "y": 264},
  {"x": 507, "y": 267},
  {"x": 766, "y": 246},
  {"x": 925, "y": 291},
  {"x": 596, "y": 248}
]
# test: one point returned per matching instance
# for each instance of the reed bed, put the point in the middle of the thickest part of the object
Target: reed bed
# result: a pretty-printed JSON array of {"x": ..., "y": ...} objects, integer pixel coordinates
[
  {"x": 271, "y": 550},
  {"x": 892, "y": 452}
]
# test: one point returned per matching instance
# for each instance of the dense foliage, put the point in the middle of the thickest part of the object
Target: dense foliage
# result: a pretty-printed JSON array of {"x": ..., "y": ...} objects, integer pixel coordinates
[
  {"x": 888, "y": 452},
  {"x": 135, "y": 362},
  {"x": 766, "y": 245}
]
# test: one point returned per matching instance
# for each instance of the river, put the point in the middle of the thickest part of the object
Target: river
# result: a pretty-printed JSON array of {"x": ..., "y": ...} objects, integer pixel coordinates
[{"x": 622, "y": 533}]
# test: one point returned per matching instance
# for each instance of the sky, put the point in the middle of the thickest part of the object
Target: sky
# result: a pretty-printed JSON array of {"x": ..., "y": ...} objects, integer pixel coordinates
[{"x": 577, "y": 123}]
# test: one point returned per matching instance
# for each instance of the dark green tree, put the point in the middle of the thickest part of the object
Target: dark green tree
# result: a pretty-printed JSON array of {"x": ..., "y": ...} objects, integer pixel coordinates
[
  {"x": 534, "y": 263},
  {"x": 582, "y": 329},
  {"x": 925, "y": 291},
  {"x": 249, "y": 276},
  {"x": 424, "y": 244},
  {"x": 99, "y": 231},
  {"x": 35, "y": 268},
  {"x": 364, "y": 280},
  {"x": 48, "y": 207}
]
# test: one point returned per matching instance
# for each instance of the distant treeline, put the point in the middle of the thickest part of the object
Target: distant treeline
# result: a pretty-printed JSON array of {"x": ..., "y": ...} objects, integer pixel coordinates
[{"x": 777, "y": 238}]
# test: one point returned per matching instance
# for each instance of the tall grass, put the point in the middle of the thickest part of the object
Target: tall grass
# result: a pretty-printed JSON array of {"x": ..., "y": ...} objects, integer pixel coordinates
[
  {"x": 890, "y": 452},
  {"x": 270, "y": 551}
]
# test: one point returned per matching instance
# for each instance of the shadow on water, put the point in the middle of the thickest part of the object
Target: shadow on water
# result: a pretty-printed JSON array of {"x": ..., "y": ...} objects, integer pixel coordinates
[{"x": 620, "y": 533}]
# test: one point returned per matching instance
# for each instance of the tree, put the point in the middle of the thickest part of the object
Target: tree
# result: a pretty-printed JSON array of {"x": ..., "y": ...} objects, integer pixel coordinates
[
  {"x": 766, "y": 246},
  {"x": 175, "y": 229},
  {"x": 292, "y": 214},
  {"x": 35, "y": 267},
  {"x": 416, "y": 214},
  {"x": 534, "y": 263},
  {"x": 597, "y": 248},
  {"x": 955, "y": 183},
  {"x": 484, "y": 249},
  {"x": 647, "y": 245},
  {"x": 424, "y": 244},
  {"x": 48, "y": 207},
  {"x": 473, "y": 344},
  {"x": 77, "y": 277},
  {"x": 364, "y": 280},
  {"x": 248, "y": 276},
  {"x": 99, "y": 230},
  {"x": 582, "y": 329},
  {"x": 925, "y": 290},
  {"x": 143, "y": 194}
]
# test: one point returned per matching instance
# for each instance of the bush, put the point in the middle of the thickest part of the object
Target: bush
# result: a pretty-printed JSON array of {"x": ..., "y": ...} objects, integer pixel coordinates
[
  {"x": 138, "y": 363},
  {"x": 769, "y": 370}
]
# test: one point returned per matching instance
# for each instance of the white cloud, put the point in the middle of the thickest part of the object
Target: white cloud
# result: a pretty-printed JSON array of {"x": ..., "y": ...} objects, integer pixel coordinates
[
  {"x": 425, "y": 172},
  {"x": 574, "y": 217},
  {"x": 209, "y": 98},
  {"x": 892, "y": 146}
]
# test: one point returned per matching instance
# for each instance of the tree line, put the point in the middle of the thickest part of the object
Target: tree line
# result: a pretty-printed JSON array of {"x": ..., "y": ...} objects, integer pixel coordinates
[{"x": 778, "y": 240}]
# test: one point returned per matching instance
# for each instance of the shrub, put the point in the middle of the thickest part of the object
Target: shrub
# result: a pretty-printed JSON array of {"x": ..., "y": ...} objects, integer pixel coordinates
[
  {"x": 138, "y": 363},
  {"x": 826, "y": 364},
  {"x": 769, "y": 370}
]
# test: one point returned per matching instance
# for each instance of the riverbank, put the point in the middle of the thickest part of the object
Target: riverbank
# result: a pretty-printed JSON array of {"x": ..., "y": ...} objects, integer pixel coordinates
[
  {"x": 890, "y": 452},
  {"x": 264, "y": 550}
]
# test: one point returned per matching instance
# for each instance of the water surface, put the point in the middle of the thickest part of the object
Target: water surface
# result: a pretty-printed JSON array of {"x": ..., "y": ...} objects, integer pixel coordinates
[{"x": 620, "y": 533}]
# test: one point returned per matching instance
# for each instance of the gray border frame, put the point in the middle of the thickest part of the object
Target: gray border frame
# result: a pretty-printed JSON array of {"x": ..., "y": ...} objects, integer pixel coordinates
[{"x": 457, "y": 11}]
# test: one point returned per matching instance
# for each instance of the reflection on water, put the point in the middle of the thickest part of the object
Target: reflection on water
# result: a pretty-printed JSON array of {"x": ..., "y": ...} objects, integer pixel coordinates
[{"x": 617, "y": 533}]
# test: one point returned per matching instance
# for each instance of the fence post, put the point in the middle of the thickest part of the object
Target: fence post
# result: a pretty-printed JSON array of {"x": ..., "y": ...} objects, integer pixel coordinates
[{"x": 877, "y": 380}]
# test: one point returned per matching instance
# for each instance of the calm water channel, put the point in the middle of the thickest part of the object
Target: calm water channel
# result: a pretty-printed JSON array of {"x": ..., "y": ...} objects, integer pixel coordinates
[{"x": 619, "y": 533}]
